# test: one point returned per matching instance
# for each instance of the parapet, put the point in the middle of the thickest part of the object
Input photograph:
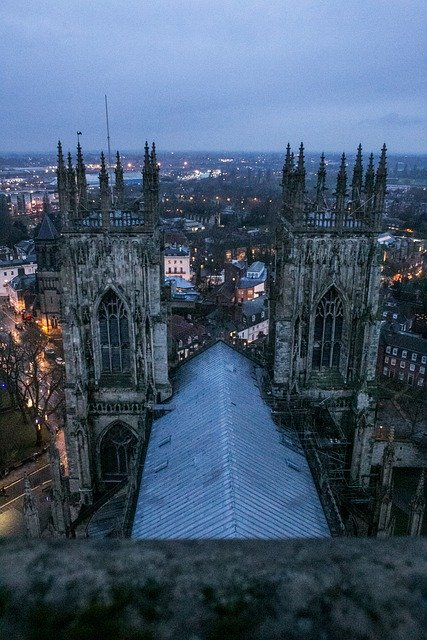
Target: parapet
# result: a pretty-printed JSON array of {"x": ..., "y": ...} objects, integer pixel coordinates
[{"x": 334, "y": 589}]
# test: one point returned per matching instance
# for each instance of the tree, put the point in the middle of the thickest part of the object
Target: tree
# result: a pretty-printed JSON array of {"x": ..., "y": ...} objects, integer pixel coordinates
[{"x": 35, "y": 385}]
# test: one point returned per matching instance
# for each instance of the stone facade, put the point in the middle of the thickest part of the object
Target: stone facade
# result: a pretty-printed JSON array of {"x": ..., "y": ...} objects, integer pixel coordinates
[
  {"x": 48, "y": 280},
  {"x": 113, "y": 323},
  {"x": 325, "y": 294}
]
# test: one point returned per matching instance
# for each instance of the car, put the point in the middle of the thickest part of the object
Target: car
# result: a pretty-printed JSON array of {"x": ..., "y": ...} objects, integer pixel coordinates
[
  {"x": 19, "y": 326},
  {"x": 60, "y": 361},
  {"x": 49, "y": 352}
]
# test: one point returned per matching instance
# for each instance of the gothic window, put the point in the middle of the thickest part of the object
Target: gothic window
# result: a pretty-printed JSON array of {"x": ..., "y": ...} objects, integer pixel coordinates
[
  {"x": 328, "y": 326},
  {"x": 116, "y": 450},
  {"x": 114, "y": 333}
]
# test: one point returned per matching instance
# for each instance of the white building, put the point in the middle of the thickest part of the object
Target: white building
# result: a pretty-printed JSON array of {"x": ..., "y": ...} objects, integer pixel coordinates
[
  {"x": 177, "y": 262},
  {"x": 9, "y": 270},
  {"x": 255, "y": 321}
]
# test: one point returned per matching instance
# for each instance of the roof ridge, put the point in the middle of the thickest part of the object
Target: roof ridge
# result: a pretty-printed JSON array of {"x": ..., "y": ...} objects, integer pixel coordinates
[{"x": 229, "y": 480}]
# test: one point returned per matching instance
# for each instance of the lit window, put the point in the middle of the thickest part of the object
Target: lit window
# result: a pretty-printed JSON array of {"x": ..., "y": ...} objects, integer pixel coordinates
[
  {"x": 402, "y": 365},
  {"x": 404, "y": 354},
  {"x": 388, "y": 350},
  {"x": 423, "y": 359},
  {"x": 401, "y": 374},
  {"x": 420, "y": 382},
  {"x": 386, "y": 359},
  {"x": 411, "y": 367},
  {"x": 414, "y": 357},
  {"x": 395, "y": 351},
  {"x": 393, "y": 361},
  {"x": 422, "y": 370}
]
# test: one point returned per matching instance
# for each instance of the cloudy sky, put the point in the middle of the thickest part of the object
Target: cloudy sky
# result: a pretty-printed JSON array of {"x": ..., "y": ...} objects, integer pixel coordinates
[{"x": 214, "y": 74}]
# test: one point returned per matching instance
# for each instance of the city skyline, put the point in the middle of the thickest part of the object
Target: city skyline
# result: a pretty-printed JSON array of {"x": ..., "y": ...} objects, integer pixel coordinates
[{"x": 212, "y": 76}]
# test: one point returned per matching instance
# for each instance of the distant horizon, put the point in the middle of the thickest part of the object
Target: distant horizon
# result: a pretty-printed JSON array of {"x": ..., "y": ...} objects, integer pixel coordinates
[{"x": 53, "y": 151}]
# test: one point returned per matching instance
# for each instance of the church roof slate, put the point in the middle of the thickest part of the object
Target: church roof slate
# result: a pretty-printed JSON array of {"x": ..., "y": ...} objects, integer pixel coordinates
[{"x": 217, "y": 466}]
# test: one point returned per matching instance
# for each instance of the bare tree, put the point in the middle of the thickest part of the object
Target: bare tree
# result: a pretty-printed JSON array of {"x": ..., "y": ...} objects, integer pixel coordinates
[{"x": 35, "y": 384}]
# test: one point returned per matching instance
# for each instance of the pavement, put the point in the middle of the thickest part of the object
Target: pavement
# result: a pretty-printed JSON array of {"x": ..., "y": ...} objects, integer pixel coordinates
[{"x": 11, "y": 504}]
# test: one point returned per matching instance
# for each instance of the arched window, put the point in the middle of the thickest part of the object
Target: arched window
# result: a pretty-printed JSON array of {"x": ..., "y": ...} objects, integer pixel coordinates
[
  {"x": 116, "y": 450},
  {"x": 114, "y": 332},
  {"x": 328, "y": 331}
]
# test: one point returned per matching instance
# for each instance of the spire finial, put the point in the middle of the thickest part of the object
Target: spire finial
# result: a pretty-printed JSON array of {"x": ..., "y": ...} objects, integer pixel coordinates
[
  {"x": 119, "y": 184},
  {"x": 321, "y": 182}
]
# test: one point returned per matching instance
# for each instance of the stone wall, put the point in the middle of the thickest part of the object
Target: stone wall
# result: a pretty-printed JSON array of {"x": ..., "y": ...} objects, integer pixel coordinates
[{"x": 343, "y": 589}]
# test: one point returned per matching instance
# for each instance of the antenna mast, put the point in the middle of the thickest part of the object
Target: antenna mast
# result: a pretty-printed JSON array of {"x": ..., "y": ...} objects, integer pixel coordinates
[{"x": 109, "y": 150}]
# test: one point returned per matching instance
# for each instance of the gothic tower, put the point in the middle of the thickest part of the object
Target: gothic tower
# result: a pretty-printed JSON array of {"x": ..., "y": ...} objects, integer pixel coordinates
[
  {"x": 325, "y": 295},
  {"x": 113, "y": 322}
]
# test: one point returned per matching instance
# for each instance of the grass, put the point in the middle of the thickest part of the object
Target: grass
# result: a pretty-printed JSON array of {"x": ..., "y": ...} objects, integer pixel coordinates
[{"x": 17, "y": 438}]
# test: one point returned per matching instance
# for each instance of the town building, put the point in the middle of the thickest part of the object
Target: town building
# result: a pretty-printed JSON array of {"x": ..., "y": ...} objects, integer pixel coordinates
[
  {"x": 252, "y": 284},
  {"x": 186, "y": 338},
  {"x": 9, "y": 270},
  {"x": 21, "y": 291},
  {"x": 252, "y": 320},
  {"x": 403, "y": 358},
  {"x": 177, "y": 262}
]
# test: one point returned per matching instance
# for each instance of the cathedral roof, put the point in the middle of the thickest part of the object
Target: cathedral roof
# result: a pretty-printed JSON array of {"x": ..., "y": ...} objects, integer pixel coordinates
[
  {"x": 217, "y": 465},
  {"x": 47, "y": 230}
]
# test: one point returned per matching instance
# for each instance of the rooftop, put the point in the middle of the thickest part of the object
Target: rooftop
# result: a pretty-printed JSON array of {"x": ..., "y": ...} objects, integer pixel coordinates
[
  {"x": 47, "y": 230},
  {"x": 405, "y": 340},
  {"x": 217, "y": 466},
  {"x": 177, "y": 251}
]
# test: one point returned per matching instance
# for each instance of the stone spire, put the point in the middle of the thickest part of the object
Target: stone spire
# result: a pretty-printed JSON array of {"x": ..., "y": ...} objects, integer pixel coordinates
[
  {"x": 81, "y": 182},
  {"x": 383, "y": 520},
  {"x": 380, "y": 187},
  {"x": 417, "y": 509},
  {"x": 61, "y": 175},
  {"x": 31, "y": 512},
  {"x": 369, "y": 185},
  {"x": 119, "y": 185},
  {"x": 321, "y": 182},
  {"x": 357, "y": 182},
  {"x": 71, "y": 189},
  {"x": 287, "y": 178},
  {"x": 150, "y": 186},
  {"x": 341, "y": 190},
  {"x": 299, "y": 176},
  {"x": 60, "y": 507},
  {"x": 104, "y": 193},
  {"x": 388, "y": 461}
]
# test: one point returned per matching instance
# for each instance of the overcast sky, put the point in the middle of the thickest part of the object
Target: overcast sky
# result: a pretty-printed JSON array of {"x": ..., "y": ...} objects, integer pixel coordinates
[{"x": 214, "y": 74}]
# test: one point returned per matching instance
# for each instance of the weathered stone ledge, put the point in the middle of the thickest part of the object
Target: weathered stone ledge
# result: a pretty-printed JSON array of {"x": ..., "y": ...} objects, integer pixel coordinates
[{"x": 307, "y": 590}]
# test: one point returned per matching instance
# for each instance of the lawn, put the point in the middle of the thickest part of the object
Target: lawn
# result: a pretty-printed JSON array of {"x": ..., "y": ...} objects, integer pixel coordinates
[{"x": 16, "y": 437}]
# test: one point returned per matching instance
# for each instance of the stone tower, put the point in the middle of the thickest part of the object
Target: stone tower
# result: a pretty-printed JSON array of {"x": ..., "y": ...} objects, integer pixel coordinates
[
  {"x": 48, "y": 285},
  {"x": 325, "y": 294},
  {"x": 113, "y": 322}
]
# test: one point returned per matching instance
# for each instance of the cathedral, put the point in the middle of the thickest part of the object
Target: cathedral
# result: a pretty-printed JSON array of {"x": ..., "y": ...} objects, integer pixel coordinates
[
  {"x": 324, "y": 300},
  {"x": 113, "y": 321},
  {"x": 324, "y": 339}
]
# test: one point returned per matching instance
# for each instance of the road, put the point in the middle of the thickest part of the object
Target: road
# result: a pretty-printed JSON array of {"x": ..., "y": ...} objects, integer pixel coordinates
[{"x": 11, "y": 504}]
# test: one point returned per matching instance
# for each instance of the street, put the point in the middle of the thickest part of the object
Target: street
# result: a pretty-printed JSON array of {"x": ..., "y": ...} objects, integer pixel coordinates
[{"x": 11, "y": 517}]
